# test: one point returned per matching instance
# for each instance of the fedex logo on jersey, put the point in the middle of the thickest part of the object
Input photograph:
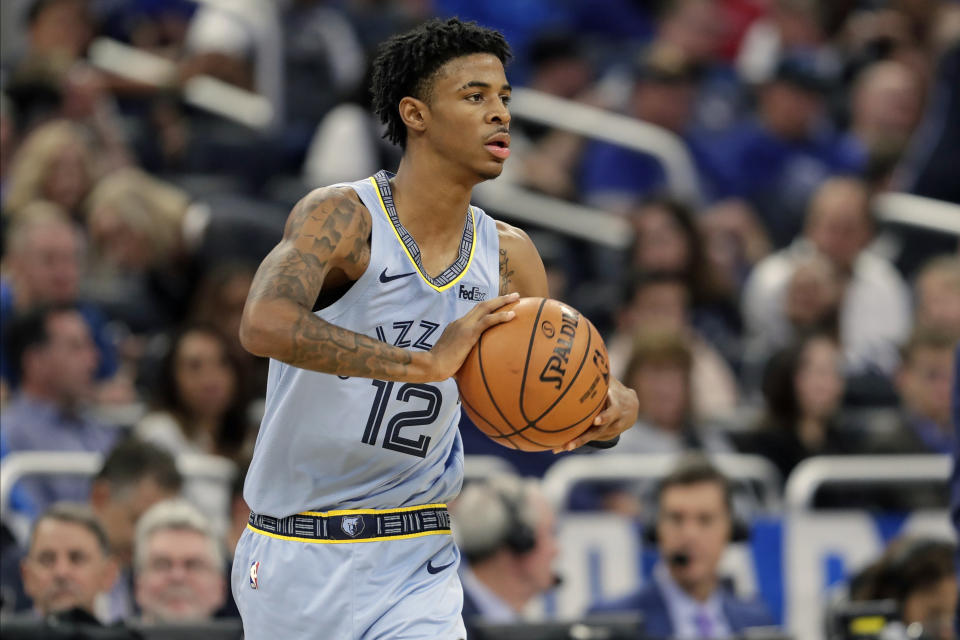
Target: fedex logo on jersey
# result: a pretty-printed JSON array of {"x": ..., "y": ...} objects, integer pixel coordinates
[{"x": 474, "y": 293}]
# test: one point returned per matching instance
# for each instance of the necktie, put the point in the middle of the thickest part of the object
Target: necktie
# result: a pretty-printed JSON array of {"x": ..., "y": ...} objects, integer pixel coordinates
[{"x": 704, "y": 624}]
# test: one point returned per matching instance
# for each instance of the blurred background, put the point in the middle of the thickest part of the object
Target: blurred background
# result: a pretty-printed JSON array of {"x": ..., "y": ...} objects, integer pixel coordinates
[{"x": 757, "y": 202}]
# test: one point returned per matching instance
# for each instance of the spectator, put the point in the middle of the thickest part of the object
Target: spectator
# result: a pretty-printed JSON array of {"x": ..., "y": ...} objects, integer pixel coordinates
[
  {"x": 54, "y": 358},
  {"x": 916, "y": 573},
  {"x": 659, "y": 371},
  {"x": 669, "y": 239},
  {"x": 936, "y": 293},
  {"x": 138, "y": 228},
  {"x": 663, "y": 95},
  {"x": 697, "y": 29},
  {"x": 885, "y": 103},
  {"x": 776, "y": 161},
  {"x": 200, "y": 401},
  {"x": 924, "y": 383},
  {"x": 802, "y": 388},
  {"x": 135, "y": 476},
  {"x": 661, "y": 301},
  {"x": 874, "y": 302},
  {"x": 179, "y": 565},
  {"x": 559, "y": 67},
  {"x": 53, "y": 163},
  {"x": 505, "y": 528},
  {"x": 687, "y": 597},
  {"x": 68, "y": 564},
  {"x": 44, "y": 263},
  {"x": 218, "y": 302}
]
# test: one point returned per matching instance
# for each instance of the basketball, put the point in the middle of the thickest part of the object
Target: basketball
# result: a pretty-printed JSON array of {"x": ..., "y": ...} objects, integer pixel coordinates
[{"x": 536, "y": 382}]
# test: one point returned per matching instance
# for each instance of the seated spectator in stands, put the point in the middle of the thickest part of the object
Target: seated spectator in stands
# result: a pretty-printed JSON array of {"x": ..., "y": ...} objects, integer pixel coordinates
[
  {"x": 813, "y": 296},
  {"x": 918, "y": 574},
  {"x": 54, "y": 359},
  {"x": 505, "y": 529},
  {"x": 778, "y": 160},
  {"x": 924, "y": 383},
  {"x": 200, "y": 398},
  {"x": 936, "y": 293},
  {"x": 139, "y": 229},
  {"x": 54, "y": 163},
  {"x": 549, "y": 158},
  {"x": 875, "y": 313},
  {"x": 179, "y": 565},
  {"x": 659, "y": 370},
  {"x": 135, "y": 476},
  {"x": 218, "y": 301},
  {"x": 885, "y": 106},
  {"x": 687, "y": 597},
  {"x": 802, "y": 389},
  {"x": 44, "y": 256},
  {"x": 669, "y": 239},
  {"x": 663, "y": 95},
  {"x": 68, "y": 564},
  {"x": 661, "y": 301}
]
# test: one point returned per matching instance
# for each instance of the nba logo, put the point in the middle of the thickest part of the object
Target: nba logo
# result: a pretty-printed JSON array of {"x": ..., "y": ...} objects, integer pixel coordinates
[
  {"x": 254, "y": 570},
  {"x": 352, "y": 525}
]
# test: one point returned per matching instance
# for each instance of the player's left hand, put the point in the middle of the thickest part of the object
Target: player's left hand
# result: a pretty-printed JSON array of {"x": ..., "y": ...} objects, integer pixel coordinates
[{"x": 619, "y": 415}]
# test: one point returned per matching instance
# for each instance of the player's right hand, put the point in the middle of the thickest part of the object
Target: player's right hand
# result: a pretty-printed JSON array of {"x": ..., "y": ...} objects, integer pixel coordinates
[{"x": 453, "y": 346}]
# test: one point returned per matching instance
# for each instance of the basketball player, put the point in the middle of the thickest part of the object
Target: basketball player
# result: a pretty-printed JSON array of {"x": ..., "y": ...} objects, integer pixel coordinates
[{"x": 367, "y": 307}]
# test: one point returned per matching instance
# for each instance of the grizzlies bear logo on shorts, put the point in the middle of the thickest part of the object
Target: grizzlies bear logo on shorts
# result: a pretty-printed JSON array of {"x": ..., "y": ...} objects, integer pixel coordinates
[{"x": 352, "y": 525}]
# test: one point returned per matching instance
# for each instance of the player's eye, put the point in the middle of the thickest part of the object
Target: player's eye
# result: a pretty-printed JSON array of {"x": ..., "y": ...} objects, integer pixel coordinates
[
  {"x": 475, "y": 97},
  {"x": 505, "y": 99}
]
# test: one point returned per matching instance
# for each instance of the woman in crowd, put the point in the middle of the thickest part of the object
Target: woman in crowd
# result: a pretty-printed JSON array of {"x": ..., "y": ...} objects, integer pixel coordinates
[
  {"x": 201, "y": 400},
  {"x": 802, "y": 388}
]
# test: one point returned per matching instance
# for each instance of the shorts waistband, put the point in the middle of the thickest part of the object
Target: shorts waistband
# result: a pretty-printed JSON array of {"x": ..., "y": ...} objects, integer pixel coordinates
[{"x": 355, "y": 525}]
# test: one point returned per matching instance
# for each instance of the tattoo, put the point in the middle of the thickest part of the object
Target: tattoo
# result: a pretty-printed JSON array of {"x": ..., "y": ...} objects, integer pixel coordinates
[
  {"x": 505, "y": 272},
  {"x": 321, "y": 228}
]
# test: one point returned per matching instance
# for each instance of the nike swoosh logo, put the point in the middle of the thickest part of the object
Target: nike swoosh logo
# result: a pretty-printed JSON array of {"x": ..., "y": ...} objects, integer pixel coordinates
[
  {"x": 385, "y": 278},
  {"x": 433, "y": 569}
]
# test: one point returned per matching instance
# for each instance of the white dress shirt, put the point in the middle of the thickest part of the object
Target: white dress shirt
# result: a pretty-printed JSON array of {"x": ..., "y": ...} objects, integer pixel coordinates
[
  {"x": 692, "y": 619},
  {"x": 492, "y": 607}
]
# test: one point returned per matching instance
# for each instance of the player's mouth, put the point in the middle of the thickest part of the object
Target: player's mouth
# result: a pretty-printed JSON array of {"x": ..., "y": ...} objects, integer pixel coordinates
[{"x": 498, "y": 145}]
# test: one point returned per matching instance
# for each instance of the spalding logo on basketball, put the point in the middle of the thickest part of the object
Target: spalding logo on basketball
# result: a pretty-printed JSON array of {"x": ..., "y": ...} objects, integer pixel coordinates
[{"x": 538, "y": 381}]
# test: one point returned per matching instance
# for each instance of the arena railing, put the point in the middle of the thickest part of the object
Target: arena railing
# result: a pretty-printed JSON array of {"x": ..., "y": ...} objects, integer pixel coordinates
[
  {"x": 21, "y": 464},
  {"x": 513, "y": 200},
  {"x": 814, "y": 473},
  {"x": 755, "y": 473}
]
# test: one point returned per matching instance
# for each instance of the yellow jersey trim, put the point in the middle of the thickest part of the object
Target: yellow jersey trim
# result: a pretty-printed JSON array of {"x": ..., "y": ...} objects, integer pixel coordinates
[{"x": 423, "y": 276}]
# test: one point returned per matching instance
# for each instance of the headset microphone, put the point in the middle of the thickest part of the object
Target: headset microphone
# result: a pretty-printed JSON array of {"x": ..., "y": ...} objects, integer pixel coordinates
[
  {"x": 678, "y": 559},
  {"x": 557, "y": 579}
]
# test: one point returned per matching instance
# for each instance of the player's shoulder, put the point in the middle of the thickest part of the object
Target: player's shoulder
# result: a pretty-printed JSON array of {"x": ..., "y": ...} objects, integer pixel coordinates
[
  {"x": 339, "y": 203},
  {"x": 512, "y": 237}
]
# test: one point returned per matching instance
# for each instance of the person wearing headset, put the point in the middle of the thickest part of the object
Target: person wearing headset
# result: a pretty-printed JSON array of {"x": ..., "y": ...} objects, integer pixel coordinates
[
  {"x": 504, "y": 527},
  {"x": 695, "y": 523}
]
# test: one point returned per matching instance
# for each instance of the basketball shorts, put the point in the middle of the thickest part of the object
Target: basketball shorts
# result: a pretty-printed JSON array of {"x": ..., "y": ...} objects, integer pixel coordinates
[{"x": 349, "y": 575}]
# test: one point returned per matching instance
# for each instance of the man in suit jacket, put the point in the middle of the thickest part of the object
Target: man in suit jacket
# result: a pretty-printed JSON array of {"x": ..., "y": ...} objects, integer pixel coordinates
[
  {"x": 687, "y": 598},
  {"x": 505, "y": 528}
]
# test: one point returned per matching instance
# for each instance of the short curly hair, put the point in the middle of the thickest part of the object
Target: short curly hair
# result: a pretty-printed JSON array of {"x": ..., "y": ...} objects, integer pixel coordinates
[{"x": 405, "y": 64}]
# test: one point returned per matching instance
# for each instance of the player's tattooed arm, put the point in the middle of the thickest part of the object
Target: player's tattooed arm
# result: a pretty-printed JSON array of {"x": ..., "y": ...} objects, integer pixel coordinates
[
  {"x": 327, "y": 230},
  {"x": 521, "y": 269}
]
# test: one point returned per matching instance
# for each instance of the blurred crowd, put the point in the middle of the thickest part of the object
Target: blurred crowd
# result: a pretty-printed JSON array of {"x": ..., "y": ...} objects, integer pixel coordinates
[{"x": 776, "y": 314}]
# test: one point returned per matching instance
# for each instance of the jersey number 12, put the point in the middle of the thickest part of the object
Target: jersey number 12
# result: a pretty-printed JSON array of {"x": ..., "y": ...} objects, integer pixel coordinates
[{"x": 392, "y": 438}]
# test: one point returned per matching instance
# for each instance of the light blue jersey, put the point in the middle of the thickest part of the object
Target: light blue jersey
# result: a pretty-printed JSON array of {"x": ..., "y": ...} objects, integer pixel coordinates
[
  {"x": 349, "y": 536},
  {"x": 328, "y": 442}
]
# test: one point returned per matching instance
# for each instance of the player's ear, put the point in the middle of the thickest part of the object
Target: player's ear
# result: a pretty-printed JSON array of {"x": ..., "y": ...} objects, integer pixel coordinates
[{"x": 413, "y": 112}]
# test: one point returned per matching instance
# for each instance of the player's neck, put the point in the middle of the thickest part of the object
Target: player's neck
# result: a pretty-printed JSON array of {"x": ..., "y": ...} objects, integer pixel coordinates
[{"x": 428, "y": 199}]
